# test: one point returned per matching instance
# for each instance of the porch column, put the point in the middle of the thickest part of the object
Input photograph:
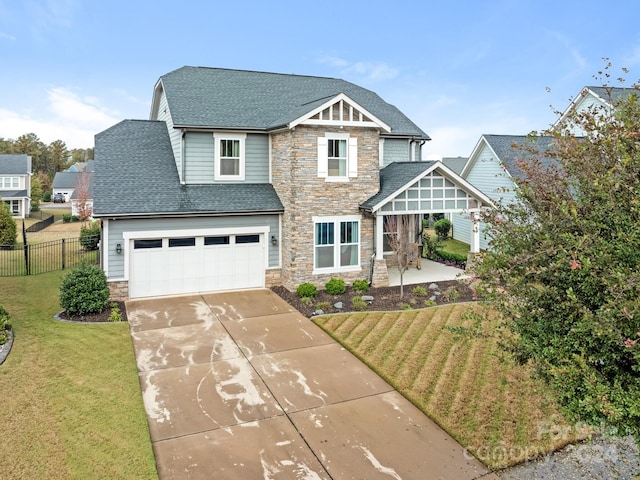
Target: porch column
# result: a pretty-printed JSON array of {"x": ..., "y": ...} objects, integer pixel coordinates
[
  {"x": 475, "y": 232},
  {"x": 379, "y": 236}
]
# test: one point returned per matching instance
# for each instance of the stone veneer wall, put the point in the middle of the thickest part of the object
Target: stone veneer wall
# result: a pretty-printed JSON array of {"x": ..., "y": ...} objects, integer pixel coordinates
[
  {"x": 304, "y": 195},
  {"x": 273, "y": 277},
  {"x": 119, "y": 290}
]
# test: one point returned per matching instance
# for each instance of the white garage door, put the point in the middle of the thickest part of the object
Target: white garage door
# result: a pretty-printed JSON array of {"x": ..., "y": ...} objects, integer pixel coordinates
[{"x": 177, "y": 265}]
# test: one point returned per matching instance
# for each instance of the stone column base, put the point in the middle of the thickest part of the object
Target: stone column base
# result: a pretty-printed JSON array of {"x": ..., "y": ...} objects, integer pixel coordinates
[
  {"x": 380, "y": 274},
  {"x": 119, "y": 290}
]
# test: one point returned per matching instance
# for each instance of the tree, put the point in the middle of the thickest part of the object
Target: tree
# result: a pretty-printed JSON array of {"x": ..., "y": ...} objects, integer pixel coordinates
[
  {"x": 400, "y": 234},
  {"x": 6, "y": 145},
  {"x": 564, "y": 265},
  {"x": 58, "y": 156},
  {"x": 31, "y": 145},
  {"x": 8, "y": 229},
  {"x": 36, "y": 193},
  {"x": 83, "y": 205}
]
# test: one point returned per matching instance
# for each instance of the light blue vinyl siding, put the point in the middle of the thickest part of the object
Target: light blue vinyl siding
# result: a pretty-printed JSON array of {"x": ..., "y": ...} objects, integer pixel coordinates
[
  {"x": 395, "y": 150},
  {"x": 163, "y": 114},
  {"x": 488, "y": 175},
  {"x": 117, "y": 227},
  {"x": 199, "y": 158}
]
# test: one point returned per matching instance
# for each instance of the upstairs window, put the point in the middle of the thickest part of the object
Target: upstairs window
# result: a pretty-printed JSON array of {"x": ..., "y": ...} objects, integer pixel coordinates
[
  {"x": 9, "y": 182},
  {"x": 229, "y": 156},
  {"x": 337, "y": 157}
]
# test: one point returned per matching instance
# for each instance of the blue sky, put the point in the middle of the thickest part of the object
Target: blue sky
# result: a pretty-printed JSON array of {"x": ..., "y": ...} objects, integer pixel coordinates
[{"x": 72, "y": 68}]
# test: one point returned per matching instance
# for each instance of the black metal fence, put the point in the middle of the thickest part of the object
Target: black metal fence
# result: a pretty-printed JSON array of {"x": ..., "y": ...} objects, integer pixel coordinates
[
  {"x": 20, "y": 259},
  {"x": 36, "y": 227}
]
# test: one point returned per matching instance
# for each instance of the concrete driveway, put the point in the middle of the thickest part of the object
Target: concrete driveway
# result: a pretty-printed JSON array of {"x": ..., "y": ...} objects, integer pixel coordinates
[{"x": 239, "y": 385}]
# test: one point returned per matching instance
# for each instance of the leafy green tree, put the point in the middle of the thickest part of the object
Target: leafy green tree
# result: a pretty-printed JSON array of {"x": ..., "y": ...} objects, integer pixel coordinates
[
  {"x": 564, "y": 264},
  {"x": 58, "y": 157},
  {"x": 8, "y": 228},
  {"x": 6, "y": 145},
  {"x": 31, "y": 145},
  {"x": 36, "y": 192}
]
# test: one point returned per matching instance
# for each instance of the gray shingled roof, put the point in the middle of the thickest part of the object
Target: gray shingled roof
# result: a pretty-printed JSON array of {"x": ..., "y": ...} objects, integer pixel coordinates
[
  {"x": 15, "y": 164},
  {"x": 135, "y": 173},
  {"x": 456, "y": 164},
  {"x": 7, "y": 194},
  {"x": 393, "y": 177},
  {"x": 222, "y": 98},
  {"x": 510, "y": 148},
  {"x": 65, "y": 180},
  {"x": 613, "y": 94}
]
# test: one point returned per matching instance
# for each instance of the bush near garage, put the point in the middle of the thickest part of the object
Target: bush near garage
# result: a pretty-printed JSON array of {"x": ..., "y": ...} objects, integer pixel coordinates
[
  {"x": 5, "y": 325},
  {"x": 84, "y": 291},
  {"x": 306, "y": 290}
]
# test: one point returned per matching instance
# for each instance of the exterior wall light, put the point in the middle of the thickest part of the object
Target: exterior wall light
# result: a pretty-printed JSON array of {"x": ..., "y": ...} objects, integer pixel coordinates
[
  {"x": 118, "y": 248},
  {"x": 274, "y": 240}
]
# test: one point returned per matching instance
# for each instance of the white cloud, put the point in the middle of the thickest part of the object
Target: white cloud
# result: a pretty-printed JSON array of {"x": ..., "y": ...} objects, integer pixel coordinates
[
  {"x": 373, "y": 71},
  {"x": 7, "y": 36},
  {"x": 578, "y": 58},
  {"x": 67, "y": 117}
]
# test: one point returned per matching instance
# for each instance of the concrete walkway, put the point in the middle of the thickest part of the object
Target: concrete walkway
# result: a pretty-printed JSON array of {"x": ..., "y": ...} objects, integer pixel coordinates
[
  {"x": 239, "y": 385},
  {"x": 430, "y": 272}
]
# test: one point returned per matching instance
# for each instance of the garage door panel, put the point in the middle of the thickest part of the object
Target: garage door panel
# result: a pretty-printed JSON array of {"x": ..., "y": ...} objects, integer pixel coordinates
[{"x": 203, "y": 264}]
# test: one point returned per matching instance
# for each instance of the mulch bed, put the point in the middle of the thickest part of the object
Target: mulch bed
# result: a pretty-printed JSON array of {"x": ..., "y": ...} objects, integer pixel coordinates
[
  {"x": 384, "y": 298},
  {"x": 96, "y": 317}
]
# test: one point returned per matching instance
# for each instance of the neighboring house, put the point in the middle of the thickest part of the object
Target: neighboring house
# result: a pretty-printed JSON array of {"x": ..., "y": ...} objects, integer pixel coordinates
[
  {"x": 492, "y": 169},
  {"x": 491, "y": 164},
  {"x": 15, "y": 183},
  {"x": 455, "y": 163},
  {"x": 66, "y": 182},
  {"x": 246, "y": 179}
]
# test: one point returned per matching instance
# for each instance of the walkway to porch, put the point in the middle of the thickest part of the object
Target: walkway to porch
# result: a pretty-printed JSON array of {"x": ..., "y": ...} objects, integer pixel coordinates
[{"x": 431, "y": 272}]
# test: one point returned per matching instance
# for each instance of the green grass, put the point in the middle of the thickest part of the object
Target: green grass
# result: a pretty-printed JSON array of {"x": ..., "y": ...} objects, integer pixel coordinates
[
  {"x": 452, "y": 246},
  {"x": 71, "y": 401},
  {"x": 491, "y": 406}
]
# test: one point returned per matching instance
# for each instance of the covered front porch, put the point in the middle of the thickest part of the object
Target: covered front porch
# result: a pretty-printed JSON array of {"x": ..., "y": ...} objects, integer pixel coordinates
[
  {"x": 411, "y": 191},
  {"x": 431, "y": 272}
]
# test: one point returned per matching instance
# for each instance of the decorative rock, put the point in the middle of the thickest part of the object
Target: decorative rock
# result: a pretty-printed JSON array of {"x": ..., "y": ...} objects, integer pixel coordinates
[
  {"x": 433, "y": 286},
  {"x": 437, "y": 294},
  {"x": 367, "y": 298},
  {"x": 318, "y": 312},
  {"x": 433, "y": 298},
  {"x": 338, "y": 305}
]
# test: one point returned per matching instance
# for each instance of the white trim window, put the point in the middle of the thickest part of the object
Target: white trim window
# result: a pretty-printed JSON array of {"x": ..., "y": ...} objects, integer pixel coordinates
[
  {"x": 337, "y": 157},
  {"x": 229, "y": 156},
  {"x": 14, "y": 206},
  {"x": 336, "y": 244},
  {"x": 10, "y": 183}
]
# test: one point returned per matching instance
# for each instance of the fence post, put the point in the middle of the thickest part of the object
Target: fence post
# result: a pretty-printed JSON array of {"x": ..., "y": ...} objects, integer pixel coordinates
[
  {"x": 63, "y": 254},
  {"x": 26, "y": 249}
]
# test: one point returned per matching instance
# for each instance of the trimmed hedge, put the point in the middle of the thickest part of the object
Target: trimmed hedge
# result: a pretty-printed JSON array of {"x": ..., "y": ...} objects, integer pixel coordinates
[{"x": 84, "y": 290}]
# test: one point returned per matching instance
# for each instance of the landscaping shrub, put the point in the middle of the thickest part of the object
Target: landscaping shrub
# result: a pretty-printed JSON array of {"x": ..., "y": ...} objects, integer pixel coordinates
[
  {"x": 46, "y": 197},
  {"x": 5, "y": 325},
  {"x": 84, "y": 290},
  {"x": 66, "y": 218},
  {"x": 360, "y": 286},
  {"x": 358, "y": 304},
  {"x": 8, "y": 229},
  {"x": 115, "y": 315},
  {"x": 456, "y": 258},
  {"x": 335, "y": 286},
  {"x": 306, "y": 290},
  {"x": 324, "y": 306},
  {"x": 442, "y": 228},
  {"x": 90, "y": 236},
  {"x": 75, "y": 218},
  {"x": 419, "y": 291},
  {"x": 430, "y": 245}
]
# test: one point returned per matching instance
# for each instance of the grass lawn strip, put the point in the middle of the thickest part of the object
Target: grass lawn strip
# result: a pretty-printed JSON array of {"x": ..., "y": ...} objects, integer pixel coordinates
[
  {"x": 486, "y": 402},
  {"x": 72, "y": 406}
]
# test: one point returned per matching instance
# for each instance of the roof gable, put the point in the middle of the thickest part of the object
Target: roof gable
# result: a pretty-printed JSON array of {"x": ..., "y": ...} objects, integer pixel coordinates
[
  {"x": 509, "y": 149},
  {"x": 398, "y": 177},
  {"x": 239, "y": 99},
  {"x": 604, "y": 96}
]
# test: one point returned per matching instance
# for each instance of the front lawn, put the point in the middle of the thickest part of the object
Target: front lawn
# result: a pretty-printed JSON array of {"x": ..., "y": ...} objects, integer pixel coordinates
[
  {"x": 71, "y": 401},
  {"x": 491, "y": 406}
]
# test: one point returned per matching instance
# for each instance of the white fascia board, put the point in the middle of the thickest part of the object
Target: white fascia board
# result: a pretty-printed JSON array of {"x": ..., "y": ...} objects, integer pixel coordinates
[
  {"x": 376, "y": 121},
  {"x": 155, "y": 101},
  {"x": 473, "y": 157}
]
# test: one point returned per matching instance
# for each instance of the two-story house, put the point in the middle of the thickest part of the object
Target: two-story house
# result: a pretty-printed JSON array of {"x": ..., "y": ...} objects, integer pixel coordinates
[
  {"x": 245, "y": 179},
  {"x": 491, "y": 167},
  {"x": 15, "y": 183}
]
